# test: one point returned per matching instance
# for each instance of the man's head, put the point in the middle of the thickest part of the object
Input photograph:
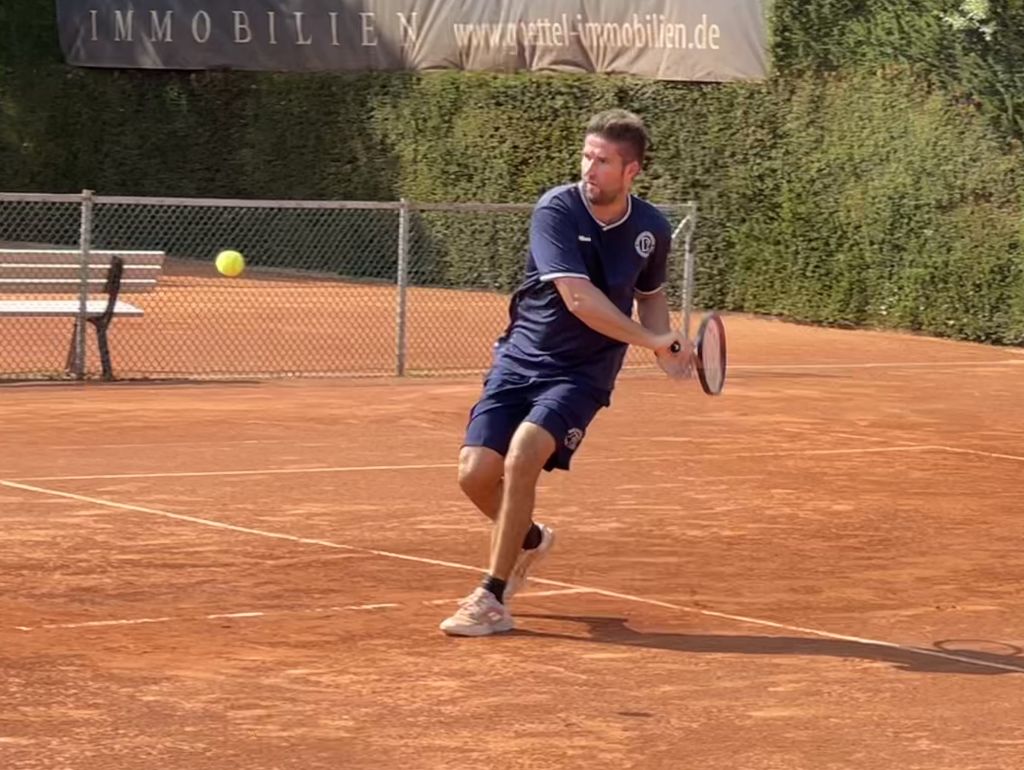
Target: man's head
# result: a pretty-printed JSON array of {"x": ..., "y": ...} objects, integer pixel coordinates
[{"x": 613, "y": 154}]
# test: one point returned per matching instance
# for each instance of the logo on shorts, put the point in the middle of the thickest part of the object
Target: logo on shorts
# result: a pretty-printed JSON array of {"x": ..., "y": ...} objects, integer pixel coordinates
[
  {"x": 573, "y": 438},
  {"x": 644, "y": 244}
]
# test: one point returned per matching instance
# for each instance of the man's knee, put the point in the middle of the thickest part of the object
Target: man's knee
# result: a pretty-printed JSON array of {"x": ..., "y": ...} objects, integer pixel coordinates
[
  {"x": 480, "y": 469},
  {"x": 531, "y": 448}
]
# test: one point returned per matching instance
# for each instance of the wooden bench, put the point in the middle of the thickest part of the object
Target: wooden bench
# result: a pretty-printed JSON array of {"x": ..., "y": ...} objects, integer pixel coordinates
[{"x": 56, "y": 272}]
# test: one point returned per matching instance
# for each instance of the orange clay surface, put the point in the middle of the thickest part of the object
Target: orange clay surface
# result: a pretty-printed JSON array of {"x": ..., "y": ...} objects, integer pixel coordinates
[{"x": 820, "y": 569}]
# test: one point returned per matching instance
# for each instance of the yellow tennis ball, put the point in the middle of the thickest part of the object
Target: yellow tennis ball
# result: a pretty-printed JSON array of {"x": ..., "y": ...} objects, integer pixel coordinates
[{"x": 230, "y": 263}]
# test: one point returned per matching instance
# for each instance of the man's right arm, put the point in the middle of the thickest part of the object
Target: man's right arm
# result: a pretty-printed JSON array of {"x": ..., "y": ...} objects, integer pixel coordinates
[
  {"x": 590, "y": 305},
  {"x": 555, "y": 249}
]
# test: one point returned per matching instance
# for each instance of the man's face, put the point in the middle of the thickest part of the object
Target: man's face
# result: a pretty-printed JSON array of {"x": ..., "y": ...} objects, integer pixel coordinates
[{"x": 605, "y": 173}]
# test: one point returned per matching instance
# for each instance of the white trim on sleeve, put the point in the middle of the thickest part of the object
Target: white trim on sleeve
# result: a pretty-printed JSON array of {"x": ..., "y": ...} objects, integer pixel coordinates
[
  {"x": 649, "y": 293},
  {"x": 553, "y": 276}
]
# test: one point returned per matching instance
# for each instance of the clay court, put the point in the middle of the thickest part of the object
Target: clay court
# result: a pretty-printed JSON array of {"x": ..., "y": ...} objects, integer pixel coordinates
[{"x": 818, "y": 569}]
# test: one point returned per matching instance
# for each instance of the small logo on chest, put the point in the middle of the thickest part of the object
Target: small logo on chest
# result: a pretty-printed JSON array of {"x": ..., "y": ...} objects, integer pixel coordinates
[{"x": 644, "y": 244}]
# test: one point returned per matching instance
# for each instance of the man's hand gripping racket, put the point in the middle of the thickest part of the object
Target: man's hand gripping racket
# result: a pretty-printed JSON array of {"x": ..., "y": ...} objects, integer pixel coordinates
[{"x": 707, "y": 353}]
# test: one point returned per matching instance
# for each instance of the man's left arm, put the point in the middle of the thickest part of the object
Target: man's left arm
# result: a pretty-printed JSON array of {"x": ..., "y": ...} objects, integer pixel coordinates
[
  {"x": 652, "y": 311},
  {"x": 652, "y": 304}
]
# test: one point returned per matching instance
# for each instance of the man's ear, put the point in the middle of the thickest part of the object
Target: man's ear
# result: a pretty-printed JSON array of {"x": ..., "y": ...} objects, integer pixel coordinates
[{"x": 633, "y": 169}]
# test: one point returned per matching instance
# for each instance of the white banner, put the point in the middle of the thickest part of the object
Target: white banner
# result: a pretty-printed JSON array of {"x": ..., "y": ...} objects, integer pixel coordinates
[{"x": 697, "y": 40}]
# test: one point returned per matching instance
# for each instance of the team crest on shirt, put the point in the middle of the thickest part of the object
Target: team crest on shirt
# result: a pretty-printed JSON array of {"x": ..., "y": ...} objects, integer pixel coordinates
[
  {"x": 573, "y": 438},
  {"x": 644, "y": 244}
]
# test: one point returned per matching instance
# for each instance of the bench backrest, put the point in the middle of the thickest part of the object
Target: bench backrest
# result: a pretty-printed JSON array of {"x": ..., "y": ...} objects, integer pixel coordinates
[{"x": 57, "y": 271}]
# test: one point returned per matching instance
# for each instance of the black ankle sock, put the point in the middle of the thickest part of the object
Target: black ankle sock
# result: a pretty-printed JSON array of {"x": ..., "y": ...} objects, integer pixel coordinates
[
  {"x": 496, "y": 587},
  {"x": 533, "y": 538}
]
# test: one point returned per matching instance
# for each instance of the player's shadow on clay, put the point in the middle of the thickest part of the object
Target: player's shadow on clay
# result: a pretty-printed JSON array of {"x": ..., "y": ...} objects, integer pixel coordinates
[{"x": 615, "y": 631}]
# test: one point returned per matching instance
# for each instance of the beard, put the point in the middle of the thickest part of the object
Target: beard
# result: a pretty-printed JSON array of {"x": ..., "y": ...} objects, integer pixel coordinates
[{"x": 598, "y": 197}]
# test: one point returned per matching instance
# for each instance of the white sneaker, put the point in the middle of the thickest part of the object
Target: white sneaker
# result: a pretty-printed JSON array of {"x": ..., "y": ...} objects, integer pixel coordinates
[
  {"x": 526, "y": 561},
  {"x": 479, "y": 614}
]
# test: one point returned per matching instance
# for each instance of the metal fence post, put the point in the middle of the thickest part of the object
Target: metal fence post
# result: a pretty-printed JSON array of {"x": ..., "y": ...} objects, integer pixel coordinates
[
  {"x": 85, "y": 245},
  {"x": 401, "y": 341}
]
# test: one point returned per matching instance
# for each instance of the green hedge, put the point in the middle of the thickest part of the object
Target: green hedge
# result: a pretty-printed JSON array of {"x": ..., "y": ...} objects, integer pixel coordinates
[
  {"x": 888, "y": 207},
  {"x": 844, "y": 191},
  {"x": 972, "y": 49},
  {"x": 209, "y": 134}
]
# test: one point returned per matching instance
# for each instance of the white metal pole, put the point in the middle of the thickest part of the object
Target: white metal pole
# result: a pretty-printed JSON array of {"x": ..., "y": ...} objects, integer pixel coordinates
[
  {"x": 401, "y": 341},
  {"x": 85, "y": 246}
]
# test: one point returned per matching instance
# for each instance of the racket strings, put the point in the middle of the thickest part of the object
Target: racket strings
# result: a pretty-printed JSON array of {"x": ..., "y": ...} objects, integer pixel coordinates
[{"x": 711, "y": 354}]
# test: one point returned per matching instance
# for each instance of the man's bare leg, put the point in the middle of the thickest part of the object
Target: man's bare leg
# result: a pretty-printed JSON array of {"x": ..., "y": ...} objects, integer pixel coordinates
[
  {"x": 530, "y": 449},
  {"x": 482, "y": 612},
  {"x": 480, "y": 475}
]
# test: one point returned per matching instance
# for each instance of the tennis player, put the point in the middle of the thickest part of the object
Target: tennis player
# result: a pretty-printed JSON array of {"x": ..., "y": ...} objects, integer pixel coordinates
[{"x": 594, "y": 249}]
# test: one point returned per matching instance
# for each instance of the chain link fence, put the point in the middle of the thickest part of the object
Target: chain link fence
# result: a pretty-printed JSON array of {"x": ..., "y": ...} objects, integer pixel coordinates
[{"x": 329, "y": 289}]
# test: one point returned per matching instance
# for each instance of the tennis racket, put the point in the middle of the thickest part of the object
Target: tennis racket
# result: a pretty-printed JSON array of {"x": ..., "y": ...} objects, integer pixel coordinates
[{"x": 709, "y": 352}]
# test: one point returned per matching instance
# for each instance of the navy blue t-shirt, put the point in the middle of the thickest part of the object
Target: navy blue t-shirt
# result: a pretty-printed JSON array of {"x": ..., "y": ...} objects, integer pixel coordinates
[{"x": 625, "y": 258}]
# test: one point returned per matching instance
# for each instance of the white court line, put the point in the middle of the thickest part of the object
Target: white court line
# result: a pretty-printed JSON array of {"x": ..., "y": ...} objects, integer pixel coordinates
[
  {"x": 229, "y": 527},
  {"x": 465, "y": 567},
  {"x": 240, "y": 442},
  {"x": 450, "y": 466},
  {"x": 981, "y": 452},
  {"x": 265, "y": 614},
  {"x": 532, "y": 594},
  {"x": 816, "y": 452},
  {"x": 186, "y": 619},
  {"x": 732, "y": 366},
  {"x": 810, "y": 431},
  {"x": 905, "y": 447},
  {"x": 882, "y": 365},
  {"x": 822, "y": 430},
  {"x": 246, "y": 472},
  {"x": 98, "y": 623}
]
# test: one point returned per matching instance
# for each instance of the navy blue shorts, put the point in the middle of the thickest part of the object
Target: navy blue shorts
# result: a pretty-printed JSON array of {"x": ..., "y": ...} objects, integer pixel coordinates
[{"x": 563, "y": 409}]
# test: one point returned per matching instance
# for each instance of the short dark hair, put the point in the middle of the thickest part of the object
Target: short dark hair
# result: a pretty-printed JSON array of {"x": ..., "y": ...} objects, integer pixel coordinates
[{"x": 623, "y": 127}]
